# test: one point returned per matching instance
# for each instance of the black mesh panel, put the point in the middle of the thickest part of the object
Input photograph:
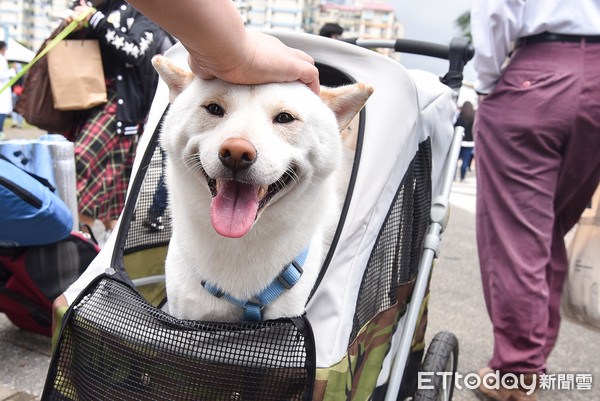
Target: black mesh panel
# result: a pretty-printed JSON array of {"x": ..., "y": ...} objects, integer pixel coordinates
[
  {"x": 399, "y": 246},
  {"x": 118, "y": 347},
  {"x": 151, "y": 208}
]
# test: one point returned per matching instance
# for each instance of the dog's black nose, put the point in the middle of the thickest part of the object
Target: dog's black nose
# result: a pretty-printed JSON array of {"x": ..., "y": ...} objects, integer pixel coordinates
[{"x": 237, "y": 153}]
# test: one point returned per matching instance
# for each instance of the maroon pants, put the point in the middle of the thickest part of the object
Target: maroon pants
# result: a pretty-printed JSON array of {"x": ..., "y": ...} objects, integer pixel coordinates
[{"x": 537, "y": 137}]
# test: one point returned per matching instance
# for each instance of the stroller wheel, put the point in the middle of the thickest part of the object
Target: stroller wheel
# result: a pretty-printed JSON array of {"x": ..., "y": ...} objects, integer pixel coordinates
[{"x": 439, "y": 366}]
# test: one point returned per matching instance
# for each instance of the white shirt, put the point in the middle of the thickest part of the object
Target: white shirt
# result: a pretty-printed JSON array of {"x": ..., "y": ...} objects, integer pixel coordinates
[
  {"x": 496, "y": 24},
  {"x": 6, "y": 96}
]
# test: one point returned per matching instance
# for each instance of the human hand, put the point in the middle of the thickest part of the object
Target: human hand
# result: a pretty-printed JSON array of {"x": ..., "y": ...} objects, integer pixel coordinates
[
  {"x": 82, "y": 12},
  {"x": 261, "y": 59}
]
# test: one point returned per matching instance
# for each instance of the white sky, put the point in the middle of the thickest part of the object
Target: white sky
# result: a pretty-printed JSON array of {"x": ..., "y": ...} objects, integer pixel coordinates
[{"x": 431, "y": 21}]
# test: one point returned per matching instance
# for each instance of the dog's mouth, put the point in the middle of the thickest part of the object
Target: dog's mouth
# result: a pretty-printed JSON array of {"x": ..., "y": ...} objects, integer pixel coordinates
[{"x": 236, "y": 204}]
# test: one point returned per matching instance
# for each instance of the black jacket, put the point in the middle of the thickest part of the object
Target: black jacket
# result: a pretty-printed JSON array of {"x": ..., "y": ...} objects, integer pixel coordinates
[
  {"x": 128, "y": 40},
  {"x": 460, "y": 122}
]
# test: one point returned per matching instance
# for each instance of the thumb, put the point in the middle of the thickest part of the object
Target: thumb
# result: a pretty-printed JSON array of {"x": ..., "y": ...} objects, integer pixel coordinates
[{"x": 199, "y": 70}]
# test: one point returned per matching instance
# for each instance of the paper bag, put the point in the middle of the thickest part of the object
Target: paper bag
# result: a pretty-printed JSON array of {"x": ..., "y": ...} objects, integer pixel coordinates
[
  {"x": 76, "y": 75},
  {"x": 580, "y": 301}
]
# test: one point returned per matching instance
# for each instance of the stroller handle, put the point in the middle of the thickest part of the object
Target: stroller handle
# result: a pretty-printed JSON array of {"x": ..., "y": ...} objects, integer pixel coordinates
[
  {"x": 458, "y": 52},
  {"x": 460, "y": 45}
]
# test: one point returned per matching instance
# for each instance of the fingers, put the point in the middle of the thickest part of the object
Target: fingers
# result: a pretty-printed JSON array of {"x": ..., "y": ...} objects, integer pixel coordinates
[
  {"x": 200, "y": 69},
  {"x": 308, "y": 73},
  {"x": 311, "y": 79},
  {"x": 264, "y": 59},
  {"x": 303, "y": 56}
]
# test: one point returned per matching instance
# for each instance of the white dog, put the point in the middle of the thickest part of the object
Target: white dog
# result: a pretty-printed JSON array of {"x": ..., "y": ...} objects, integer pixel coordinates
[{"x": 253, "y": 184}]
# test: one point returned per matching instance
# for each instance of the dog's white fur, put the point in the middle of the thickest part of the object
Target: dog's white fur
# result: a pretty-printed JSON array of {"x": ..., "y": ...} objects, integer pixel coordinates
[{"x": 305, "y": 212}]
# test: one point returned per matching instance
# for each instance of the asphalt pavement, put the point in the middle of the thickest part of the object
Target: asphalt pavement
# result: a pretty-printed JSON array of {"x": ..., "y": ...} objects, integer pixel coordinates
[{"x": 456, "y": 305}]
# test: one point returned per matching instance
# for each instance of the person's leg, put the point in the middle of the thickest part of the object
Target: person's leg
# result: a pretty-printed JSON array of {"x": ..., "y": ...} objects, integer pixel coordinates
[
  {"x": 463, "y": 156},
  {"x": 154, "y": 221},
  {"x": 160, "y": 198},
  {"x": 2, "y": 118},
  {"x": 578, "y": 180},
  {"x": 520, "y": 130},
  {"x": 513, "y": 222},
  {"x": 86, "y": 220},
  {"x": 467, "y": 161},
  {"x": 93, "y": 146},
  {"x": 119, "y": 168},
  {"x": 17, "y": 119},
  {"x": 110, "y": 225}
]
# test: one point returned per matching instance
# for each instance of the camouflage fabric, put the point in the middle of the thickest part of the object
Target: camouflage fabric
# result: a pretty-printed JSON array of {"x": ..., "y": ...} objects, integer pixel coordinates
[{"x": 355, "y": 376}]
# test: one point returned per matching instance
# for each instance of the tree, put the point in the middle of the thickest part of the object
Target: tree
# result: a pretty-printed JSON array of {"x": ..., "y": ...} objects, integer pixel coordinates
[{"x": 463, "y": 22}]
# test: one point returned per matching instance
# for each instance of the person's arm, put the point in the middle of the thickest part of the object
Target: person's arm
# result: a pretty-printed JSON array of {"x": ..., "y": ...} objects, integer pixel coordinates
[
  {"x": 220, "y": 46},
  {"x": 6, "y": 73},
  {"x": 132, "y": 45},
  {"x": 495, "y": 24}
]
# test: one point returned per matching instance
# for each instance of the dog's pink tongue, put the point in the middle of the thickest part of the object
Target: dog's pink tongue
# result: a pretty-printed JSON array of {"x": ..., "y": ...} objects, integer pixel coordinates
[{"x": 233, "y": 210}]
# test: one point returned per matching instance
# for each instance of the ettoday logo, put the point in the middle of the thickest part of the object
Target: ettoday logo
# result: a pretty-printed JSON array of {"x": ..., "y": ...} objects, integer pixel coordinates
[
  {"x": 472, "y": 381},
  {"x": 494, "y": 380}
]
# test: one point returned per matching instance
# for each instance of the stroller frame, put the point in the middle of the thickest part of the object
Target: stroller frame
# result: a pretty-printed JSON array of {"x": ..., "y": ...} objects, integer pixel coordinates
[{"x": 289, "y": 329}]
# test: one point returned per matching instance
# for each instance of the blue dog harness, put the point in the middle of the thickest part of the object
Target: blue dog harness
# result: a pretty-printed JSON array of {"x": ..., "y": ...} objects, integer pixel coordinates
[{"x": 254, "y": 306}]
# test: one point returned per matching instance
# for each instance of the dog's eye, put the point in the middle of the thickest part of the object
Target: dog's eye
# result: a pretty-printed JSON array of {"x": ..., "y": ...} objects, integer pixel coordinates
[
  {"x": 283, "y": 118},
  {"x": 215, "y": 109}
]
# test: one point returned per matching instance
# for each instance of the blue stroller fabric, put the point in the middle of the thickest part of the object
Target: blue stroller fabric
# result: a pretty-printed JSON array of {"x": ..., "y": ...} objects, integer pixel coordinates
[{"x": 31, "y": 213}]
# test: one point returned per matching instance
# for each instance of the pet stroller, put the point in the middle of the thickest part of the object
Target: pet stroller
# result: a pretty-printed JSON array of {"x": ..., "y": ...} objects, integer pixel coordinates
[{"x": 362, "y": 336}]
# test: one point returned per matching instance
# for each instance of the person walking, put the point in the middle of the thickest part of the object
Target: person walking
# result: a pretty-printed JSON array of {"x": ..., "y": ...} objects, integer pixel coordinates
[
  {"x": 6, "y": 96},
  {"x": 466, "y": 119},
  {"x": 17, "y": 89},
  {"x": 105, "y": 142},
  {"x": 331, "y": 30},
  {"x": 537, "y": 133}
]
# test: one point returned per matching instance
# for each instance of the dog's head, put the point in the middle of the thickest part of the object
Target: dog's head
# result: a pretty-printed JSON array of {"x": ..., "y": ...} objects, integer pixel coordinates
[{"x": 249, "y": 147}]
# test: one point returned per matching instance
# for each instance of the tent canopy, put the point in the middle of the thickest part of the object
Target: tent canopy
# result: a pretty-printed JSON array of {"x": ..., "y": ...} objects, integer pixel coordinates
[{"x": 17, "y": 52}]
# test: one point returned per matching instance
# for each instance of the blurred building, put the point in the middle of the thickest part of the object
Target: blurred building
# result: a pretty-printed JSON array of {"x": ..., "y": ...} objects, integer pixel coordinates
[
  {"x": 361, "y": 19},
  {"x": 30, "y": 21},
  {"x": 365, "y": 20},
  {"x": 274, "y": 14}
]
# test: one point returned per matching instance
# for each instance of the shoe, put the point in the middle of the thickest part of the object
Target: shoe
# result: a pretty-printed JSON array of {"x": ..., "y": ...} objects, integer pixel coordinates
[
  {"x": 521, "y": 393},
  {"x": 495, "y": 391},
  {"x": 488, "y": 386},
  {"x": 87, "y": 232},
  {"x": 154, "y": 223}
]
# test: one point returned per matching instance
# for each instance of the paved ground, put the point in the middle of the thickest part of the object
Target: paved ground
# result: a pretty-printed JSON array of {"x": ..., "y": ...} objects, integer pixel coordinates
[{"x": 456, "y": 306}]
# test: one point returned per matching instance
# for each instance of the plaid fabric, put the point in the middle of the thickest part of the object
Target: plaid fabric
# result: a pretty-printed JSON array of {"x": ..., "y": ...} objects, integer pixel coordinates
[{"x": 104, "y": 161}]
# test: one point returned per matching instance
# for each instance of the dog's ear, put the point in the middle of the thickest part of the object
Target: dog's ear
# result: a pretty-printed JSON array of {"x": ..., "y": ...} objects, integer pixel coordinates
[
  {"x": 346, "y": 101},
  {"x": 176, "y": 78}
]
